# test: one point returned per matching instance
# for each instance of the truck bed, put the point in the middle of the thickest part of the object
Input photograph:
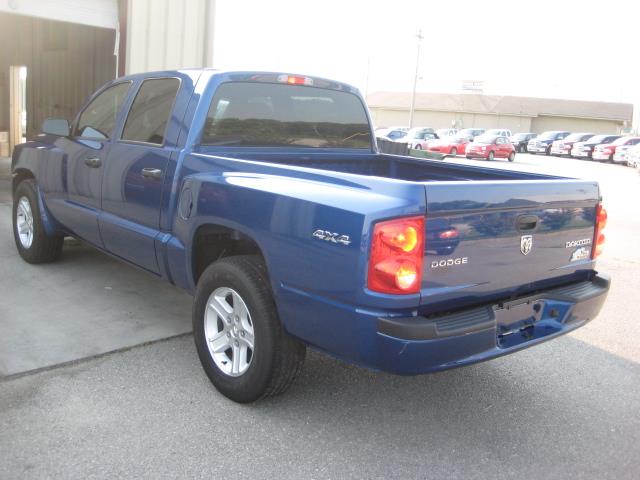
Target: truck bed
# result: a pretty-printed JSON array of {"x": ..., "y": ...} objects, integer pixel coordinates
[{"x": 381, "y": 165}]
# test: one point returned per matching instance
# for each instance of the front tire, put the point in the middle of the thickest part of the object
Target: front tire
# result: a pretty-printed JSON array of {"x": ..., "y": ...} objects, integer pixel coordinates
[
  {"x": 418, "y": 147},
  {"x": 512, "y": 156},
  {"x": 454, "y": 152},
  {"x": 32, "y": 241},
  {"x": 241, "y": 343},
  {"x": 490, "y": 156}
]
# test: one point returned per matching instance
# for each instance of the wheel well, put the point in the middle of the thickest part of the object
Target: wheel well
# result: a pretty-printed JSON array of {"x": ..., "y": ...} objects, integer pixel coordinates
[
  {"x": 20, "y": 175},
  {"x": 213, "y": 242}
]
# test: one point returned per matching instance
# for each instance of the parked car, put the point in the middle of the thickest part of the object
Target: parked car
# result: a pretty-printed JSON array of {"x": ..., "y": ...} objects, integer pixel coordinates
[
  {"x": 446, "y": 132},
  {"x": 501, "y": 132},
  {"x": 563, "y": 147},
  {"x": 520, "y": 140},
  {"x": 606, "y": 151},
  {"x": 490, "y": 147},
  {"x": 423, "y": 144},
  {"x": 542, "y": 143},
  {"x": 585, "y": 149},
  {"x": 470, "y": 133},
  {"x": 391, "y": 134},
  {"x": 418, "y": 137},
  {"x": 291, "y": 232},
  {"x": 449, "y": 146},
  {"x": 633, "y": 156}
]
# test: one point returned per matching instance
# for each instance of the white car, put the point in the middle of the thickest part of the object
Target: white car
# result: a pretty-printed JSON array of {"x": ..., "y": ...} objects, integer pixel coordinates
[
  {"x": 446, "y": 132},
  {"x": 501, "y": 132},
  {"x": 632, "y": 156},
  {"x": 418, "y": 137},
  {"x": 621, "y": 154}
]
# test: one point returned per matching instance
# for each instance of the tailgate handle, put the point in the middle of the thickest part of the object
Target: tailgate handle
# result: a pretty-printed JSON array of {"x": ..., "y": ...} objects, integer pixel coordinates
[{"x": 527, "y": 222}]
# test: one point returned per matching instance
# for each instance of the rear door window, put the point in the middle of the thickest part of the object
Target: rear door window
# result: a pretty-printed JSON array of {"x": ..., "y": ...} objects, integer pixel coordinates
[
  {"x": 98, "y": 119},
  {"x": 150, "y": 111},
  {"x": 281, "y": 115}
]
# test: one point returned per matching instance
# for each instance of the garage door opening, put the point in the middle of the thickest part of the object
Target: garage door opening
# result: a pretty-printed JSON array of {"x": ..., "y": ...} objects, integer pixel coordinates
[{"x": 17, "y": 105}]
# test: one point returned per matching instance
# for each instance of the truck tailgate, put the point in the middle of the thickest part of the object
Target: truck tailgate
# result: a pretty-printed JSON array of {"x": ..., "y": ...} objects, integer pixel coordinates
[{"x": 496, "y": 239}]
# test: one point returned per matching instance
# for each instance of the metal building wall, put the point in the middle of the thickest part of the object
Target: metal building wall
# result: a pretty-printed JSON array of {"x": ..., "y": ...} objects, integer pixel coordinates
[
  {"x": 169, "y": 34},
  {"x": 65, "y": 64}
]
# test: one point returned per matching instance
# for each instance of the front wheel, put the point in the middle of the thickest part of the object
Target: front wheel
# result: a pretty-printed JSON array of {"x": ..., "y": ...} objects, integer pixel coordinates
[
  {"x": 454, "y": 152},
  {"x": 241, "y": 343},
  {"x": 418, "y": 147},
  {"x": 512, "y": 156},
  {"x": 490, "y": 156},
  {"x": 32, "y": 241}
]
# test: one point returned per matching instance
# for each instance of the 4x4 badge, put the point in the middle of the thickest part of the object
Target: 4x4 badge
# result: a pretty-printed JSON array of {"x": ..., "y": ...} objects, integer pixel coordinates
[{"x": 526, "y": 244}]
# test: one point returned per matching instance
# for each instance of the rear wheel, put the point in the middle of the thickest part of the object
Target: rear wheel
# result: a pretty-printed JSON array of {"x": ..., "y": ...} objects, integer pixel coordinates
[
  {"x": 33, "y": 243},
  {"x": 512, "y": 156},
  {"x": 490, "y": 156},
  {"x": 454, "y": 151},
  {"x": 418, "y": 147},
  {"x": 242, "y": 346},
  {"x": 548, "y": 151}
]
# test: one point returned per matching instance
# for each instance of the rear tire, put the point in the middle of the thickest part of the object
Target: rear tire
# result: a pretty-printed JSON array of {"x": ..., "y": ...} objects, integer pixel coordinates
[
  {"x": 32, "y": 241},
  {"x": 454, "y": 152},
  {"x": 418, "y": 147},
  {"x": 275, "y": 358}
]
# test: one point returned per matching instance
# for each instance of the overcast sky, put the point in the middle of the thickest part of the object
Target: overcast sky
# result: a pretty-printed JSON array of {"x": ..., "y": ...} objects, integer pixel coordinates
[{"x": 562, "y": 48}]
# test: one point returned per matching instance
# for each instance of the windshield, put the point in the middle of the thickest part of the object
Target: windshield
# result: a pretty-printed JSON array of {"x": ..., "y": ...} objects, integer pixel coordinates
[
  {"x": 596, "y": 140},
  {"x": 574, "y": 137},
  {"x": 282, "y": 115},
  {"x": 622, "y": 141},
  {"x": 488, "y": 139},
  {"x": 548, "y": 135}
]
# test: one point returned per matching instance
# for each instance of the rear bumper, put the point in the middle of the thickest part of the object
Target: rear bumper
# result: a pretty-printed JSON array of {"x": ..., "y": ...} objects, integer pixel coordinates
[
  {"x": 537, "y": 148},
  {"x": 601, "y": 156},
  {"x": 416, "y": 345}
]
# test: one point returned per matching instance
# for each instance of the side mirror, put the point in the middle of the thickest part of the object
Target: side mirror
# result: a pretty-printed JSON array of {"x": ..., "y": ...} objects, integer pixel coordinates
[{"x": 56, "y": 126}]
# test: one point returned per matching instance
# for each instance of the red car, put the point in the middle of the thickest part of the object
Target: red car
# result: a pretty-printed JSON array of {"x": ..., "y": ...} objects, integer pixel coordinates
[
  {"x": 449, "y": 145},
  {"x": 490, "y": 147},
  {"x": 606, "y": 151}
]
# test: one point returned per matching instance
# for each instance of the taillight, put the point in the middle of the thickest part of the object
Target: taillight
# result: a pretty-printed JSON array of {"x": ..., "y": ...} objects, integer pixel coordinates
[
  {"x": 598, "y": 236},
  {"x": 295, "y": 80},
  {"x": 397, "y": 249}
]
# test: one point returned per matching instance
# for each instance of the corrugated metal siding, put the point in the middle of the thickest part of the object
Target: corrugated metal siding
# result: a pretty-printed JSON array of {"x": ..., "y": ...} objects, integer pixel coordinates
[
  {"x": 167, "y": 34},
  {"x": 65, "y": 64}
]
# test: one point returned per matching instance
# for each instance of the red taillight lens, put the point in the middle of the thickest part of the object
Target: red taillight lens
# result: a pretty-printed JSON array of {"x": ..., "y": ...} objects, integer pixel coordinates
[
  {"x": 598, "y": 236},
  {"x": 397, "y": 250},
  {"x": 295, "y": 80}
]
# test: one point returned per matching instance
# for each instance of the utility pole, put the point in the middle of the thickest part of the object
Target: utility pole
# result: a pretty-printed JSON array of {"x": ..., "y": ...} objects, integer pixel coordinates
[{"x": 415, "y": 79}]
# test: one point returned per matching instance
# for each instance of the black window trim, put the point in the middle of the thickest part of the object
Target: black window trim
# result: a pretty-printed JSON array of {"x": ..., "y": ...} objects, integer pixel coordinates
[
  {"x": 119, "y": 138},
  {"x": 96, "y": 95},
  {"x": 372, "y": 139}
]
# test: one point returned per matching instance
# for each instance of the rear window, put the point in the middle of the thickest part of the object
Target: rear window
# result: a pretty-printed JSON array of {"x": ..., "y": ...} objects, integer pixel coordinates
[{"x": 274, "y": 115}]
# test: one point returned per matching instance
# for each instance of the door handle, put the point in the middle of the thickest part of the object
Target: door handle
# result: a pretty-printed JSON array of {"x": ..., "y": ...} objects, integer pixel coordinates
[
  {"x": 93, "y": 162},
  {"x": 152, "y": 173}
]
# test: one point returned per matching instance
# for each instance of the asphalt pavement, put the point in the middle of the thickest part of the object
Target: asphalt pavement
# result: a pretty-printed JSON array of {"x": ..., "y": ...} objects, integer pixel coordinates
[{"x": 564, "y": 409}]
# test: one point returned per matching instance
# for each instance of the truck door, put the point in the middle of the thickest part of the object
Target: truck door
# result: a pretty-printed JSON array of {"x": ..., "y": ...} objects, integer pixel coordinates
[
  {"x": 132, "y": 186},
  {"x": 77, "y": 203}
]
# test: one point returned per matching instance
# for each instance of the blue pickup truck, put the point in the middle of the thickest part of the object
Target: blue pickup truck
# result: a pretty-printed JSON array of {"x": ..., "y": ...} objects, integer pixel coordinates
[{"x": 264, "y": 195}]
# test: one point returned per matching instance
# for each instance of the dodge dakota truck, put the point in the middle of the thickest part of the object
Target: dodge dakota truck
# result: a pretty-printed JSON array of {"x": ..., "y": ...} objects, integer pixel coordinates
[{"x": 264, "y": 196}]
